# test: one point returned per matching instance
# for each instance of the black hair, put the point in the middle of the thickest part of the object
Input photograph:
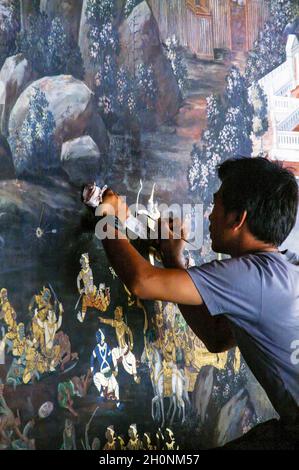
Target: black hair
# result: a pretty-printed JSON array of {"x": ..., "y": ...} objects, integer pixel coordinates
[{"x": 266, "y": 190}]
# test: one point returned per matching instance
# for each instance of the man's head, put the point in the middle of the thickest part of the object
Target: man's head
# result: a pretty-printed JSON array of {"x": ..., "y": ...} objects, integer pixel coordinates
[{"x": 255, "y": 206}]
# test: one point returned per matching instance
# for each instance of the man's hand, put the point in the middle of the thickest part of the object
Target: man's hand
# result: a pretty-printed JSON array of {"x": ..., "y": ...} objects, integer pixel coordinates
[
  {"x": 169, "y": 245},
  {"x": 113, "y": 204}
]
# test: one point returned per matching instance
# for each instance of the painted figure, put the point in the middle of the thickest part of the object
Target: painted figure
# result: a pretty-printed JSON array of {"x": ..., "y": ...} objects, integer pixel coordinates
[
  {"x": 123, "y": 352},
  {"x": 26, "y": 442},
  {"x": 50, "y": 326},
  {"x": 169, "y": 442},
  {"x": 62, "y": 340},
  {"x": 9, "y": 424},
  {"x": 39, "y": 308},
  {"x": 75, "y": 387},
  {"x": 69, "y": 436},
  {"x": 101, "y": 364},
  {"x": 91, "y": 297},
  {"x": 9, "y": 316},
  {"x": 36, "y": 364},
  {"x": 134, "y": 441},
  {"x": 111, "y": 443},
  {"x": 147, "y": 442}
]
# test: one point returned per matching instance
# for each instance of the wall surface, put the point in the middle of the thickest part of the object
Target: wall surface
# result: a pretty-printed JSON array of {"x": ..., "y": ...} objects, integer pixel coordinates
[{"x": 114, "y": 98}]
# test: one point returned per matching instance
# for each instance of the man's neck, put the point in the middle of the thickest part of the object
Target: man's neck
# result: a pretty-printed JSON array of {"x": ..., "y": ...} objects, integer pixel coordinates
[{"x": 253, "y": 250}]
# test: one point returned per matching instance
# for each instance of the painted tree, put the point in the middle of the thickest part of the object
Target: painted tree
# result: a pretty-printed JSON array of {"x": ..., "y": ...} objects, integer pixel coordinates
[
  {"x": 34, "y": 146},
  {"x": 229, "y": 127},
  {"x": 102, "y": 36},
  {"x": 9, "y": 28},
  {"x": 259, "y": 102},
  {"x": 174, "y": 54},
  {"x": 239, "y": 115},
  {"x": 269, "y": 49},
  {"x": 27, "y": 8},
  {"x": 206, "y": 155},
  {"x": 48, "y": 48},
  {"x": 120, "y": 95},
  {"x": 146, "y": 86}
]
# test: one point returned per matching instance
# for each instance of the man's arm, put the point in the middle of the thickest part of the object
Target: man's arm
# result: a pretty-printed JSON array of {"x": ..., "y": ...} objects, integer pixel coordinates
[
  {"x": 214, "y": 332},
  {"x": 149, "y": 282},
  {"x": 172, "y": 284}
]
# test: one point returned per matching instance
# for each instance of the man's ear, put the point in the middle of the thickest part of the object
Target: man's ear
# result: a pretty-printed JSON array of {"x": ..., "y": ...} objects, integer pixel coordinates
[{"x": 239, "y": 221}]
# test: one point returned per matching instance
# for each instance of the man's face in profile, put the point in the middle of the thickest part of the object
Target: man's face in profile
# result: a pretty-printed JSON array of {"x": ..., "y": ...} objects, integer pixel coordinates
[{"x": 221, "y": 226}]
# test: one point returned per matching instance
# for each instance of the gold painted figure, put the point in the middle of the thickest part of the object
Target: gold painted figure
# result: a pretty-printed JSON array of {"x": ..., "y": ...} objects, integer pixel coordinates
[
  {"x": 39, "y": 308},
  {"x": 50, "y": 326},
  {"x": 111, "y": 443},
  {"x": 9, "y": 316},
  {"x": 36, "y": 364},
  {"x": 124, "y": 351},
  {"x": 134, "y": 441},
  {"x": 169, "y": 443},
  {"x": 91, "y": 297},
  {"x": 147, "y": 442}
]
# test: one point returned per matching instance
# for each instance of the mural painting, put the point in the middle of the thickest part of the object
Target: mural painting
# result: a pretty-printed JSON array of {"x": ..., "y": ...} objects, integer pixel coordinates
[{"x": 147, "y": 97}]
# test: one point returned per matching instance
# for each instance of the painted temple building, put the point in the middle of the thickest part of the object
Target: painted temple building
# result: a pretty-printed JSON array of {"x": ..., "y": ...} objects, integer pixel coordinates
[
  {"x": 282, "y": 89},
  {"x": 207, "y": 25}
]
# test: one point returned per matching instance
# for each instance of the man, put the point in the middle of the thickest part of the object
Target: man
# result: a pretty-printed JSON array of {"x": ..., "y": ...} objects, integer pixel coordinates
[{"x": 250, "y": 300}]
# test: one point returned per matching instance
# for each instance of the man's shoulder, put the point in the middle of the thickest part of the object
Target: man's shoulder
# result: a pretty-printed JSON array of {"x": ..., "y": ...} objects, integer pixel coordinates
[{"x": 290, "y": 256}]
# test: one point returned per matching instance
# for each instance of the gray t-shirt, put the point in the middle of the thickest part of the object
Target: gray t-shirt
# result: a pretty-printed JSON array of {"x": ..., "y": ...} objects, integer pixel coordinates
[{"x": 259, "y": 294}]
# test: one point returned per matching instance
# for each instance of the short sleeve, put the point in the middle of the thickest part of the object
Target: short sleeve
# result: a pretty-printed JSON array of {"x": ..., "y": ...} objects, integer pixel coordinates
[{"x": 231, "y": 287}]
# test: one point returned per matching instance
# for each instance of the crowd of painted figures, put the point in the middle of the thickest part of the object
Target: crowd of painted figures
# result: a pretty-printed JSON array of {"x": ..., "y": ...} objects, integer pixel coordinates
[
  {"x": 13, "y": 438},
  {"x": 159, "y": 441},
  {"x": 38, "y": 346}
]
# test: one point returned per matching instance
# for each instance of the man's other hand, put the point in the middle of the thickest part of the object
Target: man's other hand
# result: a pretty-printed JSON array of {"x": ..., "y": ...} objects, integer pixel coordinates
[{"x": 114, "y": 205}]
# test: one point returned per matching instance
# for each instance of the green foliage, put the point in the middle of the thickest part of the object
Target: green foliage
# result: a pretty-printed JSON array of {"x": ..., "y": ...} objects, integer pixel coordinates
[
  {"x": 102, "y": 35},
  {"x": 174, "y": 55},
  {"x": 9, "y": 28},
  {"x": 34, "y": 147},
  {"x": 269, "y": 49},
  {"x": 122, "y": 95},
  {"x": 48, "y": 48},
  {"x": 260, "y": 106}
]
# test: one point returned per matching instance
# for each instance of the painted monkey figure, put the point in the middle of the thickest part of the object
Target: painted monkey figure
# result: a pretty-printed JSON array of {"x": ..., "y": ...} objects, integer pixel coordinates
[
  {"x": 123, "y": 352},
  {"x": 66, "y": 355},
  {"x": 91, "y": 297},
  {"x": 101, "y": 364}
]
